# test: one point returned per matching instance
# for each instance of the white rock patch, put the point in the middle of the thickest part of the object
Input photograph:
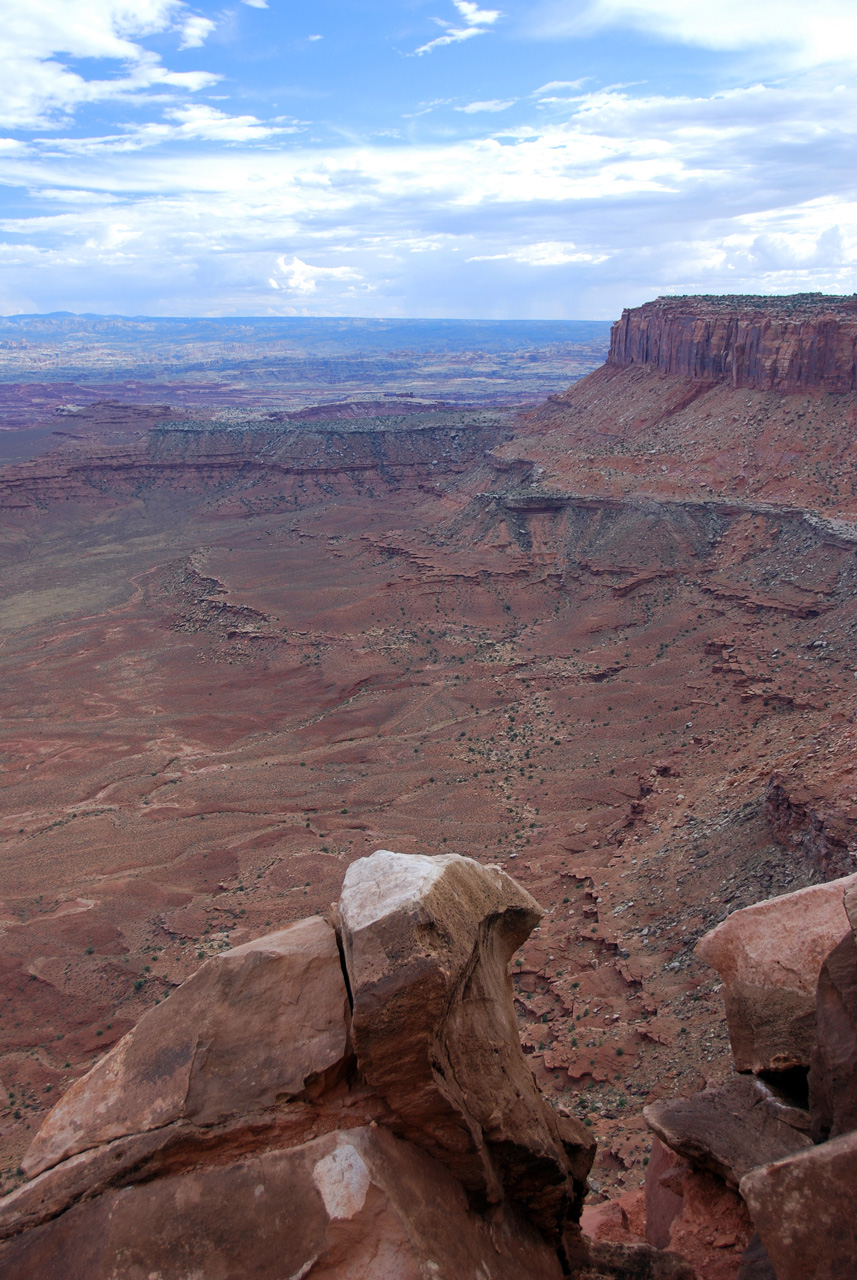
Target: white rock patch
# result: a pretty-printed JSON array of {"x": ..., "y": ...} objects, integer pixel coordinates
[{"x": 343, "y": 1180}]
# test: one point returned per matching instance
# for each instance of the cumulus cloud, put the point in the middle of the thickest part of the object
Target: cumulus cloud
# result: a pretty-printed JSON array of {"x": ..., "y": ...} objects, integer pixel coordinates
[
  {"x": 474, "y": 16},
  {"x": 302, "y": 278},
  {"x": 195, "y": 31},
  {"x": 476, "y": 23},
  {"x": 36, "y": 86}
]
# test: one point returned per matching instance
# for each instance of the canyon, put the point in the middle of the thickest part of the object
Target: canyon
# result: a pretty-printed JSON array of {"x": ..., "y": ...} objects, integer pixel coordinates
[{"x": 606, "y": 641}]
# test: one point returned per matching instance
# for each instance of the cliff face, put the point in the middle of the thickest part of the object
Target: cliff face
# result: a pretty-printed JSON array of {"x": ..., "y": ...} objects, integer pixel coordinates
[
  {"x": 98, "y": 465},
  {"x": 789, "y": 344}
]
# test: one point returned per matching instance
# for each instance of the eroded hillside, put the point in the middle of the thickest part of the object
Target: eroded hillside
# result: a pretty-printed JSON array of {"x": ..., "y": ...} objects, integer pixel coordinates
[{"x": 609, "y": 644}]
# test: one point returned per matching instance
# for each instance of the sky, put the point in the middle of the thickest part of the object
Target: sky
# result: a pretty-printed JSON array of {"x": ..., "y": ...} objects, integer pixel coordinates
[{"x": 541, "y": 159}]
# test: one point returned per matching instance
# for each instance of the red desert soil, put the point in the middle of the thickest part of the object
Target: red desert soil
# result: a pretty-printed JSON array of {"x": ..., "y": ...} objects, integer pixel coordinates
[{"x": 609, "y": 644}]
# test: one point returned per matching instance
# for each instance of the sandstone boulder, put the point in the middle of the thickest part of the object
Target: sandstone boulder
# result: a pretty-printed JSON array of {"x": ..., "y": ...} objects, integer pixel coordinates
[
  {"x": 353, "y": 1205},
  {"x": 833, "y": 1070},
  {"x": 664, "y": 1200},
  {"x": 805, "y": 1210},
  {"x": 731, "y": 1129},
  {"x": 770, "y": 956},
  {"x": 249, "y": 1126},
  {"x": 694, "y": 1213},
  {"x": 427, "y": 944},
  {"x": 263, "y": 1022}
]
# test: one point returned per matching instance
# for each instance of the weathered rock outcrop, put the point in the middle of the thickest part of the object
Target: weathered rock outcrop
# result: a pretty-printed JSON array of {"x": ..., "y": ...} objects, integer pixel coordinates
[
  {"x": 805, "y": 1209},
  {"x": 789, "y": 968},
  {"x": 732, "y": 1129},
  {"x": 833, "y": 1069},
  {"x": 264, "y": 1023},
  {"x": 785, "y": 344},
  {"x": 251, "y": 1125},
  {"x": 769, "y": 957},
  {"x": 427, "y": 948}
]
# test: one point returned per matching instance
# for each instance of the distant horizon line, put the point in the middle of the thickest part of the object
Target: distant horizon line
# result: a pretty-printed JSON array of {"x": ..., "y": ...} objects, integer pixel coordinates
[{"x": 121, "y": 315}]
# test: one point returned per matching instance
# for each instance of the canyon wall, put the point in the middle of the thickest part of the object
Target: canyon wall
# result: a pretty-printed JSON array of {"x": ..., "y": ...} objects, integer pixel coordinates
[{"x": 788, "y": 344}]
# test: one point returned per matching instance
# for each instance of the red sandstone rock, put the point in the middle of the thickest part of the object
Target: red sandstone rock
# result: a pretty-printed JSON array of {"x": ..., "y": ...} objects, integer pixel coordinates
[
  {"x": 785, "y": 344},
  {"x": 769, "y": 957},
  {"x": 833, "y": 1070},
  {"x": 263, "y": 1022},
  {"x": 356, "y": 1205},
  {"x": 731, "y": 1129},
  {"x": 805, "y": 1210},
  {"x": 611, "y": 1221},
  {"x": 427, "y": 943},
  {"x": 712, "y": 1228},
  {"x": 229, "y": 1134},
  {"x": 664, "y": 1173}
]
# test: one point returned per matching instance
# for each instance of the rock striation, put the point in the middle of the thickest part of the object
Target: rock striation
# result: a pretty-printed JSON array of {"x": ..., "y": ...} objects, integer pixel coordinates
[
  {"x": 340, "y": 1103},
  {"x": 787, "y": 344}
]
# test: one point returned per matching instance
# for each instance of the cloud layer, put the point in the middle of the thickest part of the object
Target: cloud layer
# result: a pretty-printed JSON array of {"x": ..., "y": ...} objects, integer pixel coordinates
[{"x": 586, "y": 199}]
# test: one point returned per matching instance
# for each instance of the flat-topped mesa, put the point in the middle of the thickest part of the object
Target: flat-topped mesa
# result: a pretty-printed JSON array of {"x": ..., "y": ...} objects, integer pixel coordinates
[{"x": 800, "y": 342}]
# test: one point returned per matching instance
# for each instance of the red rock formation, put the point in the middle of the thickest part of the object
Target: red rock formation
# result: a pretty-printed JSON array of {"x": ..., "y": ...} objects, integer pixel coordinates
[
  {"x": 769, "y": 957},
  {"x": 252, "y": 1126},
  {"x": 749, "y": 1137},
  {"x": 805, "y": 1209},
  {"x": 787, "y": 344},
  {"x": 731, "y": 1129}
]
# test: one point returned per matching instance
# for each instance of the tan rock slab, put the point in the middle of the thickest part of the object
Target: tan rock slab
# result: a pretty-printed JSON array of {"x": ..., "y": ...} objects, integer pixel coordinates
[
  {"x": 833, "y": 1070},
  {"x": 731, "y": 1129},
  {"x": 254, "y": 1026}
]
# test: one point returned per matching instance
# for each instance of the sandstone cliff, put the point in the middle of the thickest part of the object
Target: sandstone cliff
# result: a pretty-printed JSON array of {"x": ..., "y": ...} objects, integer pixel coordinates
[{"x": 787, "y": 344}]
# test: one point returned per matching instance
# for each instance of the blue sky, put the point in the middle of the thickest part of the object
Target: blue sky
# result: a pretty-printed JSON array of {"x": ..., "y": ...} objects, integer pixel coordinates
[{"x": 551, "y": 159}]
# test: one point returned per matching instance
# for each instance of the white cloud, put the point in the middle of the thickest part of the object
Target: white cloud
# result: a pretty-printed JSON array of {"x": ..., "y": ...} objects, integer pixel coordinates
[
  {"x": 477, "y": 21},
  {"x": 561, "y": 84},
  {"x": 300, "y": 277},
  {"x": 190, "y": 122},
  {"x": 256, "y": 4},
  {"x": 626, "y": 196},
  {"x": 474, "y": 16},
  {"x": 494, "y": 104},
  {"x": 812, "y": 32},
  {"x": 550, "y": 253},
  {"x": 198, "y": 121},
  {"x": 195, "y": 31},
  {"x": 35, "y": 84},
  {"x": 316, "y": 37}
]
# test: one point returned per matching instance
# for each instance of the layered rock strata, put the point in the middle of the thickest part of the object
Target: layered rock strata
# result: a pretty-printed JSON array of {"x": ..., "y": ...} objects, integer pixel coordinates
[
  {"x": 254, "y": 1125},
  {"x": 786, "y": 344}
]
